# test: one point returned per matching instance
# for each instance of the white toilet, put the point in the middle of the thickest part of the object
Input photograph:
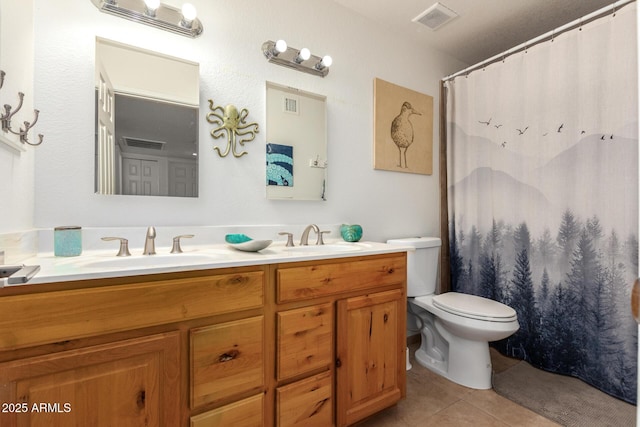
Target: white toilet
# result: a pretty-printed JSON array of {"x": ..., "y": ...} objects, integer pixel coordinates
[{"x": 456, "y": 328}]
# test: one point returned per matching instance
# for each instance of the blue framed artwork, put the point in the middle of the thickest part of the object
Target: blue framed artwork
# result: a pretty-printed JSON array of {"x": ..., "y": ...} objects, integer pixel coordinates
[{"x": 279, "y": 165}]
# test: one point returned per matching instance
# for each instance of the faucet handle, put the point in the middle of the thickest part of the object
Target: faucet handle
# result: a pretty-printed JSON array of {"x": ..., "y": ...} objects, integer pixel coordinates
[
  {"x": 289, "y": 238},
  {"x": 320, "y": 240},
  {"x": 124, "y": 245},
  {"x": 176, "y": 249}
]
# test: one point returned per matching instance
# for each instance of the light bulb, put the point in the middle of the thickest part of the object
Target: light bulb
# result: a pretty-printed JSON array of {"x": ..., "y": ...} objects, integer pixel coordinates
[
  {"x": 152, "y": 4},
  {"x": 303, "y": 55},
  {"x": 189, "y": 12},
  {"x": 281, "y": 46},
  {"x": 324, "y": 63}
]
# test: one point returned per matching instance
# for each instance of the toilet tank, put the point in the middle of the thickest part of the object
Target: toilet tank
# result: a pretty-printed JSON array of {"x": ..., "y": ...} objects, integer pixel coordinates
[{"x": 422, "y": 264}]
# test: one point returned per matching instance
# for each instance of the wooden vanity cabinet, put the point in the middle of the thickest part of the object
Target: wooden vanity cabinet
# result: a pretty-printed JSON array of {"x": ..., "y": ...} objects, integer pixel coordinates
[
  {"x": 315, "y": 343},
  {"x": 341, "y": 339}
]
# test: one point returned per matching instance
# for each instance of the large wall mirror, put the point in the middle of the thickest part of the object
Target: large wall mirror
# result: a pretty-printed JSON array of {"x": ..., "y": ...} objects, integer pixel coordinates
[
  {"x": 296, "y": 144},
  {"x": 146, "y": 122}
]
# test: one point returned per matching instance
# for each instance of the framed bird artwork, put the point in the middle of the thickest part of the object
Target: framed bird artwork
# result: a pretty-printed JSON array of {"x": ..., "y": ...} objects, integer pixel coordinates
[{"x": 402, "y": 129}]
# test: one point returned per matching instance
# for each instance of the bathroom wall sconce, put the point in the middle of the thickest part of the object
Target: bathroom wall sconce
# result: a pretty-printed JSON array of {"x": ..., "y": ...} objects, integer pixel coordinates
[
  {"x": 155, "y": 14},
  {"x": 5, "y": 119},
  {"x": 298, "y": 59}
]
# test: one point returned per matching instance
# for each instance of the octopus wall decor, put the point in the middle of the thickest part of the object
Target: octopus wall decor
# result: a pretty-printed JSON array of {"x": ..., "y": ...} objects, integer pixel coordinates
[{"x": 233, "y": 125}]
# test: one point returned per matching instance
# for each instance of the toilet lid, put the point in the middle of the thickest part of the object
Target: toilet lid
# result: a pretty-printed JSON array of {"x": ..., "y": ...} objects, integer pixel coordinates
[{"x": 474, "y": 307}]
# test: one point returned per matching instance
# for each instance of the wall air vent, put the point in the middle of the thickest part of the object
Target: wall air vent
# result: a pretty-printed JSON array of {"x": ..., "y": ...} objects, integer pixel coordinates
[
  {"x": 145, "y": 144},
  {"x": 436, "y": 16},
  {"x": 290, "y": 104}
]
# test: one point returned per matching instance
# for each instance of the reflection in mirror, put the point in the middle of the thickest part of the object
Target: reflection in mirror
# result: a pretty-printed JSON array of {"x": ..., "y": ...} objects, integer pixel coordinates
[
  {"x": 296, "y": 144},
  {"x": 146, "y": 122}
]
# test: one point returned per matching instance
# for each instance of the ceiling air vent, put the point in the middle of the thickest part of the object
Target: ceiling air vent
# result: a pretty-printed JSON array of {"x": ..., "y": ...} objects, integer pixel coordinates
[
  {"x": 146, "y": 144},
  {"x": 436, "y": 16}
]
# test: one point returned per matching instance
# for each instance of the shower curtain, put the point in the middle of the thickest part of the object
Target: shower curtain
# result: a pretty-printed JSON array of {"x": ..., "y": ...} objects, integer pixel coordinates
[{"x": 542, "y": 173}]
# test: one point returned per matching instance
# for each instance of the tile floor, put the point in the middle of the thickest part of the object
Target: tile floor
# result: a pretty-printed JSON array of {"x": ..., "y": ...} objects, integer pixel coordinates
[{"x": 434, "y": 401}]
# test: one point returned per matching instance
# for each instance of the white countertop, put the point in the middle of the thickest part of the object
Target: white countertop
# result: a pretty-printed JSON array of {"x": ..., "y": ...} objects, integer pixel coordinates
[{"x": 104, "y": 263}]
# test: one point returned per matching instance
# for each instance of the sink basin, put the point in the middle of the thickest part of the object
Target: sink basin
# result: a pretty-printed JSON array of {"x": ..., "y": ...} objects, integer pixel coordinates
[
  {"x": 328, "y": 248},
  {"x": 154, "y": 260}
]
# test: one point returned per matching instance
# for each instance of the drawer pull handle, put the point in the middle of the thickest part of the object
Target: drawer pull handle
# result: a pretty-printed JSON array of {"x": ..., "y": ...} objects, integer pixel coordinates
[
  {"x": 225, "y": 357},
  {"x": 338, "y": 363}
]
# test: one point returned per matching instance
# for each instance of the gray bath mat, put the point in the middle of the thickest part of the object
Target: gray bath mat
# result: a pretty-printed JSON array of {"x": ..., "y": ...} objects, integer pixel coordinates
[{"x": 565, "y": 400}]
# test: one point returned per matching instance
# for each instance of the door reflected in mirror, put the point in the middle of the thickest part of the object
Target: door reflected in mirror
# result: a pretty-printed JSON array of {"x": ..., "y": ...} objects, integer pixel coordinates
[
  {"x": 296, "y": 148},
  {"x": 146, "y": 122}
]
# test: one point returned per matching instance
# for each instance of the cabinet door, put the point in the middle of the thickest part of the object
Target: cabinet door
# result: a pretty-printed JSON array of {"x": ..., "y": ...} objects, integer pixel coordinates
[
  {"x": 227, "y": 359},
  {"x": 371, "y": 351},
  {"x": 305, "y": 340},
  {"x": 127, "y": 383}
]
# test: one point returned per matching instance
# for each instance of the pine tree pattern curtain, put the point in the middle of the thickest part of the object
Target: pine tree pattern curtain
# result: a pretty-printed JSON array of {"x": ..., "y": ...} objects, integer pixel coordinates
[{"x": 542, "y": 172}]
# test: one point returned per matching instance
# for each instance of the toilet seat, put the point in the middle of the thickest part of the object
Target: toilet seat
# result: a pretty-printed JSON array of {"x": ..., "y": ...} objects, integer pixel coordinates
[{"x": 474, "y": 307}]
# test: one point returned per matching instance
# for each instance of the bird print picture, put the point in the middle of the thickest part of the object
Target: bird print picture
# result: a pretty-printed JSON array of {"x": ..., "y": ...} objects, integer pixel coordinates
[{"x": 403, "y": 129}]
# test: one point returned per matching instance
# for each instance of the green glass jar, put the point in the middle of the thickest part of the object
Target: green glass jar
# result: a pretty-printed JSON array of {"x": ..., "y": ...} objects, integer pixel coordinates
[{"x": 351, "y": 232}]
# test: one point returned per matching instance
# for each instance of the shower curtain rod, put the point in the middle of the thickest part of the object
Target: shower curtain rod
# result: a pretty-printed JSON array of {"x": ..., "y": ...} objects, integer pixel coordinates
[{"x": 547, "y": 36}]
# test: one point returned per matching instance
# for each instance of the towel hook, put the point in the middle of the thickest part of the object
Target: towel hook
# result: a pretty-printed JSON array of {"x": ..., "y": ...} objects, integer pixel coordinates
[{"x": 5, "y": 119}]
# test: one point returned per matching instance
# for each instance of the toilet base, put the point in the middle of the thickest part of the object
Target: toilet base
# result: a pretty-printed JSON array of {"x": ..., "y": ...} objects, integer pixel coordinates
[{"x": 469, "y": 364}]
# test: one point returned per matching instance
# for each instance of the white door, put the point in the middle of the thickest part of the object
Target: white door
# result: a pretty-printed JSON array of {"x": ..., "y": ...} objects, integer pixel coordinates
[
  {"x": 105, "y": 162},
  {"x": 183, "y": 179},
  {"x": 140, "y": 177}
]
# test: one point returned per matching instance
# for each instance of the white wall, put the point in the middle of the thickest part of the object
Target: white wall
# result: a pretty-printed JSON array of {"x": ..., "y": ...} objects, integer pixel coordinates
[
  {"x": 233, "y": 70},
  {"x": 16, "y": 167}
]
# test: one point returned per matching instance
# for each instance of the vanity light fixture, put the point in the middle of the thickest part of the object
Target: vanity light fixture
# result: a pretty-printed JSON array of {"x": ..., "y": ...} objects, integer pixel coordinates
[
  {"x": 297, "y": 59},
  {"x": 155, "y": 14}
]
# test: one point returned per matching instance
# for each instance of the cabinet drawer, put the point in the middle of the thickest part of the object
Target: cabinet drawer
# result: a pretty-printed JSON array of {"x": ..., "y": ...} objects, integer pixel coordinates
[
  {"x": 226, "y": 359},
  {"x": 304, "y": 340},
  {"x": 248, "y": 412},
  {"x": 306, "y": 403},
  {"x": 31, "y": 319},
  {"x": 318, "y": 280}
]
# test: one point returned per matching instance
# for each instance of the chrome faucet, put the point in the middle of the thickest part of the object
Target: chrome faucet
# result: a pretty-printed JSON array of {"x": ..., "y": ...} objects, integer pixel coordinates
[
  {"x": 149, "y": 242},
  {"x": 304, "y": 240}
]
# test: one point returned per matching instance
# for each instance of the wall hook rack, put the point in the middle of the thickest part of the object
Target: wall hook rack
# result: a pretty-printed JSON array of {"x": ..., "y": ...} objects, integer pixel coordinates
[
  {"x": 5, "y": 119},
  {"x": 232, "y": 124}
]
